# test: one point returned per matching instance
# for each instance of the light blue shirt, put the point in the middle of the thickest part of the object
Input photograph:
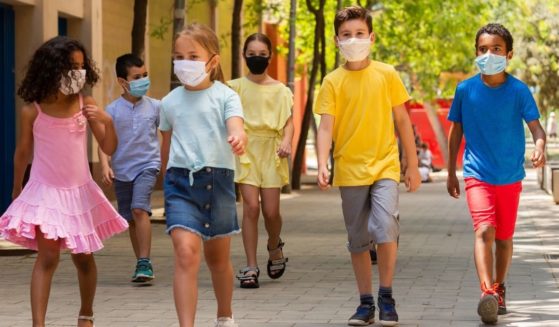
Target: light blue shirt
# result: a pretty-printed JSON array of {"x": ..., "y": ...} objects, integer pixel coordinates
[
  {"x": 197, "y": 119},
  {"x": 492, "y": 121},
  {"x": 138, "y": 144}
]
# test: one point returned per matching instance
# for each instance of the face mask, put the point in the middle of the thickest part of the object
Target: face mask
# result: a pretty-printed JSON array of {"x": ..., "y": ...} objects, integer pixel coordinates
[
  {"x": 76, "y": 77},
  {"x": 139, "y": 87},
  {"x": 355, "y": 49},
  {"x": 190, "y": 72},
  {"x": 257, "y": 64},
  {"x": 490, "y": 64}
]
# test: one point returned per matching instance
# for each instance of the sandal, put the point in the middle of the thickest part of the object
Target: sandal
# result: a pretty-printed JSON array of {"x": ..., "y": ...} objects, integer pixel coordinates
[
  {"x": 89, "y": 318},
  {"x": 276, "y": 267},
  {"x": 248, "y": 277}
]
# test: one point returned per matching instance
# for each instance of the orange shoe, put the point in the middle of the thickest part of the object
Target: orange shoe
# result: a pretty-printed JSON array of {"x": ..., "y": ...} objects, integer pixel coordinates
[
  {"x": 501, "y": 291},
  {"x": 488, "y": 305}
]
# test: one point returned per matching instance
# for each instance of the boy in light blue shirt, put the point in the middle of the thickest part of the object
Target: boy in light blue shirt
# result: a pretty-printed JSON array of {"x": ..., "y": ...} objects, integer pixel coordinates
[{"x": 136, "y": 162}]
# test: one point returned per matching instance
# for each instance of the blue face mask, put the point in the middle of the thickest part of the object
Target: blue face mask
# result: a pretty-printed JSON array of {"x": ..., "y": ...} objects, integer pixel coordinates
[
  {"x": 490, "y": 64},
  {"x": 139, "y": 87}
]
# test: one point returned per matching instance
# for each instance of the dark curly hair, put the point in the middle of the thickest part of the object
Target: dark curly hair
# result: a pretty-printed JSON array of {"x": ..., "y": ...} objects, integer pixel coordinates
[
  {"x": 48, "y": 64},
  {"x": 496, "y": 29}
]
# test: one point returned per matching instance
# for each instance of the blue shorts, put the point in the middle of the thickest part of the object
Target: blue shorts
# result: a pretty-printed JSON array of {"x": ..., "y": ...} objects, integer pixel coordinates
[
  {"x": 206, "y": 208},
  {"x": 135, "y": 194}
]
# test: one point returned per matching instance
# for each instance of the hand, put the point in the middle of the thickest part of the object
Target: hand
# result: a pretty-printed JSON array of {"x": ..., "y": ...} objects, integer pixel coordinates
[
  {"x": 238, "y": 143},
  {"x": 107, "y": 175},
  {"x": 412, "y": 179},
  {"x": 16, "y": 191},
  {"x": 284, "y": 149},
  {"x": 323, "y": 178},
  {"x": 538, "y": 158},
  {"x": 94, "y": 114},
  {"x": 453, "y": 186}
]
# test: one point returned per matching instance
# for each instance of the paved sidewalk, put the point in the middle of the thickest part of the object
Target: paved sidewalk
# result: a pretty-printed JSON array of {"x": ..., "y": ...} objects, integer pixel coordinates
[{"x": 435, "y": 284}]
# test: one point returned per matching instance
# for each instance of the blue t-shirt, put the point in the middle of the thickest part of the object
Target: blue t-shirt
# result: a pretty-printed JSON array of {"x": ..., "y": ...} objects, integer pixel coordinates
[
  {"x": 138, "y": 144},
  {"x": 197, "y": 119},
  {"x": 491, "y": 119}
]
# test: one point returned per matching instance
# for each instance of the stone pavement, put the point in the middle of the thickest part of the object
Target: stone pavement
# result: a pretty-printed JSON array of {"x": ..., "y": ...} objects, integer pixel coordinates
[{"x": 435, "y": 283}]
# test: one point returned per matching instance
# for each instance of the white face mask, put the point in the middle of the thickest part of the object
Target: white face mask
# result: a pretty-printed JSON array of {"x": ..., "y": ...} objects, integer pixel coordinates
[
  {"x": 190, "y": 72},
  {"x": 355, "y": 49},
  {"x": 77, "y": 81}
]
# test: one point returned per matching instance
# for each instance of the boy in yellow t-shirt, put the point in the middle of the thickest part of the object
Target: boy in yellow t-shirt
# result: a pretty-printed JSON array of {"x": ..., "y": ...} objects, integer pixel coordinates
[{"x": 359, "y": 103}]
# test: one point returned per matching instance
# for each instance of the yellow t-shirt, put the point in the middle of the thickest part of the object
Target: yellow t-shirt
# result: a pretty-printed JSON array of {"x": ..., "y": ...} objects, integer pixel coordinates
[
  {"x": 365, "y": 147},
  {"x": 266, "y": 109}
]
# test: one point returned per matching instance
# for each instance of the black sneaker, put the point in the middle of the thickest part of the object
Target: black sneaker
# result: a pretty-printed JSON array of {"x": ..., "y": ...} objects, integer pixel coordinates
[
  {"x": 501, "y": 291},
  {"x": 387, "y": 314},
  {"x": 363, "y": 316}
]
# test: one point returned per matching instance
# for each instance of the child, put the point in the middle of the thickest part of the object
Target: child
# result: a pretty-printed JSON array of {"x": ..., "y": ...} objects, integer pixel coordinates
[
  {"x": 263, "y": 170},
  {"x": 488, "y": 109},
  {"x": 198, "y": 120},
  {"x": 359, "y": 104},
  {"x": 60, "y": 207},
  {"x": 136, "y": 162}
]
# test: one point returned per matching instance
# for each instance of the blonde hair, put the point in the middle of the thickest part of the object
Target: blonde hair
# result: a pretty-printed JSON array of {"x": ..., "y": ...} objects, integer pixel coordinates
[{"x": 207, "y": 38}]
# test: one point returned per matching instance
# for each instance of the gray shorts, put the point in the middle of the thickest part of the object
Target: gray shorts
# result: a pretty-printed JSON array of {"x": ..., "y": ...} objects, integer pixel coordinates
[
  {"x": 135, "y": 194},
  {"x": 370, "y": 214}
]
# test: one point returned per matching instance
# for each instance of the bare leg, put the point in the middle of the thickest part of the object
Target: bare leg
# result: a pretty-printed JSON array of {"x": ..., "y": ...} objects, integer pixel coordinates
[
  {"x": 143, "y": 232},
  {"x": 87, "y": 278},
  {"x": 217, "y": 255},
  {"x": 45, "y": 265},
  {"x": 272, "y": 218},
  {"x": 363, "y": 273},
  {"x": 387, "y": 254},
  {"x": 251, "y": 211},
  {"x": 133, "y": 238},
  {"x": 483, "y": 254},
  {"x": 187, "y": 248},
  {"x": 503, "y": 257}
]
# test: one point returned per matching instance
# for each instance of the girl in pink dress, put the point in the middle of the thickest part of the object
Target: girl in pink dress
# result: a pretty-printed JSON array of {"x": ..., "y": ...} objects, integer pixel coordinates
[{"x": 60, "y": 207}]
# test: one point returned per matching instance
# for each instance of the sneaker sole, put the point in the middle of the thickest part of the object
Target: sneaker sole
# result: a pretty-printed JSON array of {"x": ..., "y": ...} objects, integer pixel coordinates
[
  {"x": 388, "y": 323},
  {"x": 142, "y": 279},
  {"x": 355, "y": 322},
  {"x": 487, "y": 309}
]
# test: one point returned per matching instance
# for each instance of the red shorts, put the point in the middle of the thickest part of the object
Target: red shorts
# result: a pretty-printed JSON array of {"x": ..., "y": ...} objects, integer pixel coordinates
[{"x": 494, "y": 205}]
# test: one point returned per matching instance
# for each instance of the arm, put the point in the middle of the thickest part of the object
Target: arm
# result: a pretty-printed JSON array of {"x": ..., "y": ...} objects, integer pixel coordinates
[
  {"x": 454, "y": 140},
  {"x": 24, "y": 148},
  {"x": 405, "y": 130},
  {"x": 324, "y": 143},
  {"x": 101, "y": 126},
  {"x": 285, "y": 146},
  {"x": 165, "y": 148},
  {"x": 538, "y": 134},
  {"x": 237, "y": 137},
  {"x": 106, "y": 170}
]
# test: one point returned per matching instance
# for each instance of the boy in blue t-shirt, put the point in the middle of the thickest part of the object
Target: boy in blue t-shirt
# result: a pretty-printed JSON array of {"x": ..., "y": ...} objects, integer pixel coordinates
[
  {"x": 136, "y": 162},
  {"x": 488, "y": 110}
]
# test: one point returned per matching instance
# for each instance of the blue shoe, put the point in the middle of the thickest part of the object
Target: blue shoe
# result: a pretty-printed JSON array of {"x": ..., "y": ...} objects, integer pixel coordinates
[
  {"x": 387, "y": 311},
  {"x": 144, "y": 271},
  {"x": 363, "y": 316}
]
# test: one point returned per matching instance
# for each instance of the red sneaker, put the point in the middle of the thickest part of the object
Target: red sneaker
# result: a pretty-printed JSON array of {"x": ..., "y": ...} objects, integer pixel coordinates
[
  {"x": 488, "y": 305},
  {"x": 501, "y": 291}
]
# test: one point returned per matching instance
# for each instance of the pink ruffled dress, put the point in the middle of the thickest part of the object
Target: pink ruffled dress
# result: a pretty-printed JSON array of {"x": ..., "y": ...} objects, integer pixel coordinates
[{"x": 61, "y": 197}]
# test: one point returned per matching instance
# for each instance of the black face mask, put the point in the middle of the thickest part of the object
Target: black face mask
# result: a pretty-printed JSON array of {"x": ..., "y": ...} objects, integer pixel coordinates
[{"x": 257, "y": 64}]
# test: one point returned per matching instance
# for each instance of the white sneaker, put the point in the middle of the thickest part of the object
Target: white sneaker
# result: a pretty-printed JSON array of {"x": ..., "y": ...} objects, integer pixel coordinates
[{"x": 225, "y": 322}]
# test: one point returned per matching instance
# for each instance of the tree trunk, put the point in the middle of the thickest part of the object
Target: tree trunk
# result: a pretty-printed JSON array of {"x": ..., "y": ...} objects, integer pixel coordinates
[
  {"x": 318, "y": 60},
  {"x": 178, "y": 25},
  {"x": 139, "y": 27},
  {"x": 236, "y": 67}
]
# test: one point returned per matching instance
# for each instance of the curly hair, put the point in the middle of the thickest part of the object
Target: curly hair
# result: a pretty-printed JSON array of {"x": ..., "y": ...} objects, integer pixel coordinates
[
  {"x": 353, "y": 12},
  {"x": 48, "y": 64},
  {"x": 496, "y": 29}
]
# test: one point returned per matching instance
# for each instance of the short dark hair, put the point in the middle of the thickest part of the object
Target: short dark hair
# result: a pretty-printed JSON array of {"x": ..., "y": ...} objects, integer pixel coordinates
[
  {"x": 258, "y": 37},
  {"x": 124, "y": 62},
  {"x": 353, "y": 12},
  {"x": 496, "y": 29}
]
